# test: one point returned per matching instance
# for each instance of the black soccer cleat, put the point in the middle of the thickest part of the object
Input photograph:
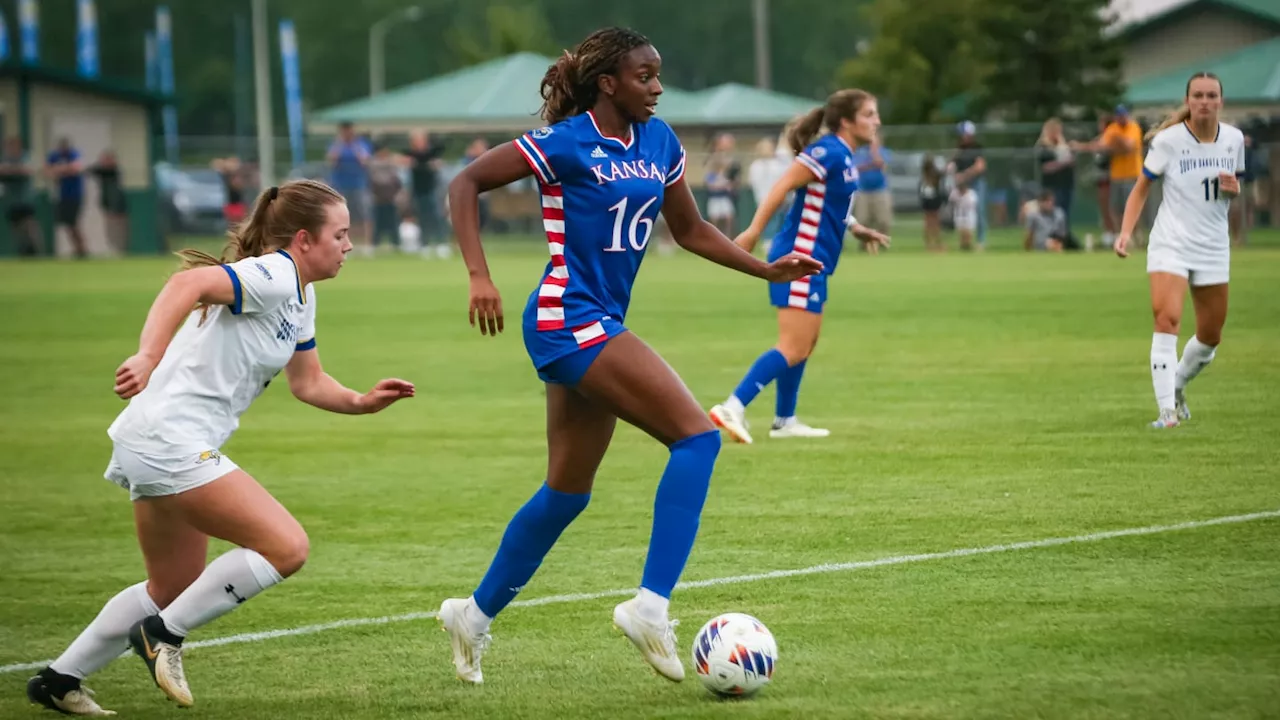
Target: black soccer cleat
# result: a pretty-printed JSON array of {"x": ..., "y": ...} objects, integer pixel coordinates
[
  {"x": 161, "y": 650},
  {"x": 63, "y": 694}
]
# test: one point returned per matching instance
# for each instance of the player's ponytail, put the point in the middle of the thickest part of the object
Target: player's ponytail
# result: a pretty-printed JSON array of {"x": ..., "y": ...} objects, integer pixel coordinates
[
  {"x": 804, "y": 129},
  {"x": 1183, "y": 113},
  {"x": 842, "y": 105},
  {"x": 278, "y": 214},
  {"x": 571, "y": 85}
]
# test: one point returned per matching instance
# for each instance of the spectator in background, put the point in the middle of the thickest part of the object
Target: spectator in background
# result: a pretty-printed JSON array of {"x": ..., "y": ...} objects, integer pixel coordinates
[
  {"x": 1122, "y": 141},
  {"x": 384, "y": 186},
  {"x": 965, "y": 203},
  {"x": 723, "y": 174},
  {"x": 873, "y": 203},
  {"x": 115, "y": 208},
  {"x": 233, "y": 182},
  {"x": 763, "y": 172},
  {"x": 477, "y": 148},
  {"x": 1047, "y": 226},
  {"x": 15, "y": 181},
  {"x": 1240, "y": 217},
  {"x": 1102, "y": 163},
  {"x": 348, "y": 158},
  {"x": 931, "y": 201},
  {"x": 64, "y": 166},
  {"x": 1057, "y": 165},
  {"x": 424, "y": 165},
  {"x": 969, "y": 167}
]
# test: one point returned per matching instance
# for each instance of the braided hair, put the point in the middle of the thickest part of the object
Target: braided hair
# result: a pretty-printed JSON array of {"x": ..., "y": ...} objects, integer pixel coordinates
[{"x": 571, "y": 85}]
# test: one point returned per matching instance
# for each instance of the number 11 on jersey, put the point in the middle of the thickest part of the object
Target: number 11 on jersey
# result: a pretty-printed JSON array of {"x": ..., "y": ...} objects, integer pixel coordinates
[
  {"x": 1208, "y": 183},
  {"x": 636, "y": 238}
]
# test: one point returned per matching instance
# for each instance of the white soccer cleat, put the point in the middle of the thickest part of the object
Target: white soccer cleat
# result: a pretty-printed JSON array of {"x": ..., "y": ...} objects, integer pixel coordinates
[
  {"x": 1180, "y": 399},
  {"x": 163, "y": 660},
  {"x": 792, "y": 428},
  {"x": 795, "y": 428},
  {"x": 75, "y": 699},
  {"x": 468, "y": 644},
  {"x": 656, "y": 641},
  {"x": 732, "y": 422},
  {"x": 1167, "y": 419}
]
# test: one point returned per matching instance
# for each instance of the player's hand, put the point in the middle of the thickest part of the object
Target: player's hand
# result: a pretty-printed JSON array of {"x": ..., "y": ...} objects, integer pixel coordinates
[
  {"x": 791, "y": 267},
  {"x": 133, "y": 375},
  {"x": 873, "y": 240},
  {"x": 747, "y": 239},
  {"x": 384, "y": 393},
  {"x": 486, "y": 304},
  {"x": 1228, "y": 184},
  {"x": 1122, "y": 245}
]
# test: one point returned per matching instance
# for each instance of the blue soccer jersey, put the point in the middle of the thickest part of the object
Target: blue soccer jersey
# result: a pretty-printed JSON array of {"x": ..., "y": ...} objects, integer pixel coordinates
[
  {"x": 815, "y": 224},
  {"x": 600, "y": 198}
]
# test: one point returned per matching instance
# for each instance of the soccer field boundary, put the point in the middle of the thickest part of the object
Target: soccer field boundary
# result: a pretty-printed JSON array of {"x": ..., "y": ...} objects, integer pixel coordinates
[{"x": 730, "y": 580}]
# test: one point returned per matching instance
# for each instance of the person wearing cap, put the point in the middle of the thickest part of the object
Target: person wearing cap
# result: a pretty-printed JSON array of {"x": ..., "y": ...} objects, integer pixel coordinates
[
  {"x": 1122, "y": 141},
  {"x": 968, "y": 167}
]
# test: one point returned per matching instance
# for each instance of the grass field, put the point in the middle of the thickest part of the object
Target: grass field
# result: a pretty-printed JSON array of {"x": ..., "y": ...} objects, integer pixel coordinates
[{"x": 974, "y": 401}]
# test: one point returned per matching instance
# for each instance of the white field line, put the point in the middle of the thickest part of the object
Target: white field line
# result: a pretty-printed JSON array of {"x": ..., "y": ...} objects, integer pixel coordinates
[{"x": 731, "y": 580}]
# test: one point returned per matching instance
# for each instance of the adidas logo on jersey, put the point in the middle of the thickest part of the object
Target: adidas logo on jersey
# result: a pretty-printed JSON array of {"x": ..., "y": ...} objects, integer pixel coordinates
[{"x": 598, "y": 153}]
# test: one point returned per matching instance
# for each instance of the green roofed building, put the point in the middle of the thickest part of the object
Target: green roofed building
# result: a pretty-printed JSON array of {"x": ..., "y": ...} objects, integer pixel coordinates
[
  {"x": 502, "y": 96},
  {"x": 40, "y": 105},
  {"x": 1250, "y": 77},
  {"x": 1195, "y": 33}
]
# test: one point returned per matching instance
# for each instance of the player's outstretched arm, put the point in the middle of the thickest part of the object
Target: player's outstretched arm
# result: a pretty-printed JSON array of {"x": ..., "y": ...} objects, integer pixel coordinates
[
  {"x": 700, "y": 237},
  {"x": 312, "y": 385},
  {"x": 184, "y": 291},
  {"x": 1132, "y": 211},
  {"x": 500, "y": 166},
  {"x": 796, "y": 177}
]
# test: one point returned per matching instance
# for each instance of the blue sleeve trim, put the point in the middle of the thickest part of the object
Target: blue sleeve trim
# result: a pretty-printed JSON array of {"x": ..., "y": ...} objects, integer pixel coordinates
[
  {"x": 237, "y": 305},
  {"x": 308, "y": 345},
  {"x": 1150, "y": 175}
]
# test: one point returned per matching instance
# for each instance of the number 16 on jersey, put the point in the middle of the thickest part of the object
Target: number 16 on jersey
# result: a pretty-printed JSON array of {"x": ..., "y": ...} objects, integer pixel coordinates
[{"x": 638, "y": 239}]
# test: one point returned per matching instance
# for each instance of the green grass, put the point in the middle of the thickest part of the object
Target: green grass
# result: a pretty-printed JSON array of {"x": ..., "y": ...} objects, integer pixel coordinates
[{"x": 973, "y": 400}]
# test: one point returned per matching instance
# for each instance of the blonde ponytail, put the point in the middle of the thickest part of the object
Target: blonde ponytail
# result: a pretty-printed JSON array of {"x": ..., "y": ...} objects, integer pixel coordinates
[{"x": 1181, "y": 115}]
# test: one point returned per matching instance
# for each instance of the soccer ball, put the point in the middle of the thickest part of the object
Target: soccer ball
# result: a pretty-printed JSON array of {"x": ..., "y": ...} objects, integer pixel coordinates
[{"x": 734, "y": 655}]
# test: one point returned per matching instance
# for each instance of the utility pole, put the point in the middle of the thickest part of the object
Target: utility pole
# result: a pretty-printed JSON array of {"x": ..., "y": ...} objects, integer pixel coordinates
[
  {"x": 760, "y": 17},
  {"x": 262, "y": 88}
]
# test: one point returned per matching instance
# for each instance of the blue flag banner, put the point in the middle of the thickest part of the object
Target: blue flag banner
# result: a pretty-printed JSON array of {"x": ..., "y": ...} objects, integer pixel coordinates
[
  {"x": 87, "y": 39},
  {"x": 164, "y": 63},
  {"x": 29, "y": 28},
  {"x": 4, "y": 39},
  {"x": 292, "y": 89}
]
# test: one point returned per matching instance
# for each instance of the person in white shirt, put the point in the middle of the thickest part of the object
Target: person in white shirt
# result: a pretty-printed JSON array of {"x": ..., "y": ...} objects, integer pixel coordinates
[
  {"x": 1199, "y": 159},
  {"x": 964, "y": 203},
  {"x": 194, "y": 375}
]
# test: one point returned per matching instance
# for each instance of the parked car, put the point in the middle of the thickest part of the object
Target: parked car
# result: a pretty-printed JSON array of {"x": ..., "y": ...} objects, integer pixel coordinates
[{"x": 191, "y": 199}]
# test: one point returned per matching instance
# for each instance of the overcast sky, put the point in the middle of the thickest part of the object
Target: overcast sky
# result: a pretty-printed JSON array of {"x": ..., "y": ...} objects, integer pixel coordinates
[{"x": 1131, "y": 10}]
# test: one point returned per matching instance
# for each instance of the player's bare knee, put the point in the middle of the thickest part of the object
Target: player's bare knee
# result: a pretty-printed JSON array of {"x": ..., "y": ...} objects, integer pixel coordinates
[
  {"x": 1167, "y": 322},
  {"x": 289, "y": 552},
  {"x": 796, "y": 352}
]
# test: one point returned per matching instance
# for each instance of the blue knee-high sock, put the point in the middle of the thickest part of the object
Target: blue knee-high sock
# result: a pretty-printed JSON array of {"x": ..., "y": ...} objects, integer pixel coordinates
[
  {"x": 789, "y": 390},
  {"x": 677, "y": 510},
  {"x": 767, "y": 368},
  {"x": 528, "y": 539}
]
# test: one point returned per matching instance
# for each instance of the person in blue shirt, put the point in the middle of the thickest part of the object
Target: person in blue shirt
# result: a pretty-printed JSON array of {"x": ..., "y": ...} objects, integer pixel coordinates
[
  {"x": 873, "y": 203},
  {"x": 348, "y": 158},
  {"x": 605, "y": 168},
  {"x": 64, "y": 166},
  {"x": 823, "y": 179}
]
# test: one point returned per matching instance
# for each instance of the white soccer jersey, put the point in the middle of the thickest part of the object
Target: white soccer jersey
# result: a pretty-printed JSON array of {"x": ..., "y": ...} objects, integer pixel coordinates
[
  {"x": 1192, "y": 219},
  {"x": 212, "y": 372}
]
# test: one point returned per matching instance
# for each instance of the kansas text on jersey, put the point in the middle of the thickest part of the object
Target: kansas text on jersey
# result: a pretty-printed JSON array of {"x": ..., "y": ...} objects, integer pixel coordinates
[{"x": 600, "y": 198}]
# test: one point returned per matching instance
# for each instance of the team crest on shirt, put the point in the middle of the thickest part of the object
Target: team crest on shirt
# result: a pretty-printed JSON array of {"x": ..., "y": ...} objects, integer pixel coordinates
[
  {"x": 541, "y": 133},
  {"x": 208, "y": 455},
  {"x": 818, "y": 152}
]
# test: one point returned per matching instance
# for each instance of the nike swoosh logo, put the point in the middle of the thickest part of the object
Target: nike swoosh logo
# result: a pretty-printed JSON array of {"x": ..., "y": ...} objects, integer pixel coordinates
[{"x": 146, "y": 647}]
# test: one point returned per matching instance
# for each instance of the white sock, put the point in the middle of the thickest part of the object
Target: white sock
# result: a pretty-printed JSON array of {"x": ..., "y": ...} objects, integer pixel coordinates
[
  {"x": 1164, "y": 366},
  {"x": 475, "y": 616},
  {"x": 734, "y": 405},
  {"x": 652, "y": 606},
  {"x": 234, "y": 577},
  {"x": 108, "y": 635},
  {"x": 1196, "y": 356}
]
